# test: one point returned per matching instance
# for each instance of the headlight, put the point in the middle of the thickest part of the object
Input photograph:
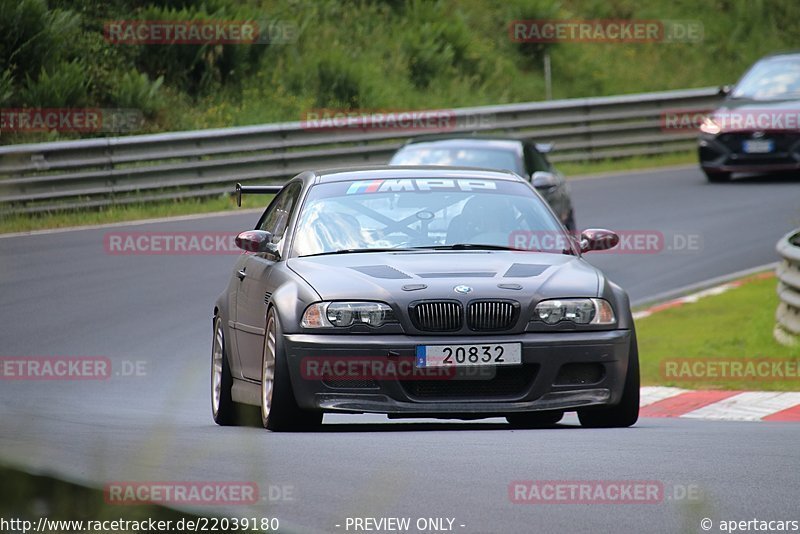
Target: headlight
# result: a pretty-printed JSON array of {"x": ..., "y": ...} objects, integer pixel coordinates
[
  {"x": 343, "y": 314},
  {"x": 710, "y": 126},
  {"x": 579, "y": 311}
]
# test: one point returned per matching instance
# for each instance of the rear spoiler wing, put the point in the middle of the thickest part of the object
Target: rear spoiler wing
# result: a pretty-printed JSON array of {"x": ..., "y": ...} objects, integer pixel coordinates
[{"x": 255, "y": 190}]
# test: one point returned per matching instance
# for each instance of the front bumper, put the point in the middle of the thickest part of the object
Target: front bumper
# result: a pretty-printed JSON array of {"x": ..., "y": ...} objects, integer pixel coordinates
[
  {"x": 546, "y": 380},
  {"x": 725, "y": 153}
]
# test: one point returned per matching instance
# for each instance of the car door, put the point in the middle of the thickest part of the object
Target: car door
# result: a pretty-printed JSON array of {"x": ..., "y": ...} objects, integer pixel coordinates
[{"x": 254, "y": 287}]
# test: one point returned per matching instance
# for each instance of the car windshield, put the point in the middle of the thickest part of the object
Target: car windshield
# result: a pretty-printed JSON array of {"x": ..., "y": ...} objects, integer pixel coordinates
[
  {"x": 425, "y": 212},
  {"x": 771, "y": 79},
  {"x": 489, "y": 158}
]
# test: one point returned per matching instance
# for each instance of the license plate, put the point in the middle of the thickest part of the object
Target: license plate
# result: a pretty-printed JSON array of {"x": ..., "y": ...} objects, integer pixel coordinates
[
  {"x": 758, "y": 146},
  {"x": 469, "y": 355}
]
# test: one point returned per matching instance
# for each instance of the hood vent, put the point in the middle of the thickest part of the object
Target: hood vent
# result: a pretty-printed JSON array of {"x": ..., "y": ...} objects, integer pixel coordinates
[
  {"x": 382, "y": 271},
  {"x": 525, "y": 270},
  {"x": 477, "y": 274}
]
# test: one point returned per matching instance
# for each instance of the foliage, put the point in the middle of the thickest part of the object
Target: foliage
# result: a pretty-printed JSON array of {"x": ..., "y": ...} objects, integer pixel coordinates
[{"x": 368, "y": 54}]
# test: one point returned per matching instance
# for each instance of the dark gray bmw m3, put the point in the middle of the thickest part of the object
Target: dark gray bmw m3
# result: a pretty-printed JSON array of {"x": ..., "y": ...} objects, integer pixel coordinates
[{"x": 420, "y": 292}]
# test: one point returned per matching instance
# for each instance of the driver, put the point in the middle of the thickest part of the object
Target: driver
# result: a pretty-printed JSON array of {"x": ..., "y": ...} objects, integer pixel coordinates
[{"x": 487, "y": 219}]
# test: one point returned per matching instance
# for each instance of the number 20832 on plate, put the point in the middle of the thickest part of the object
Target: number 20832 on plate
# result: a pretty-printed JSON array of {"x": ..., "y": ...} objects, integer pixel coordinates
[{"x": 488, "y": 354}]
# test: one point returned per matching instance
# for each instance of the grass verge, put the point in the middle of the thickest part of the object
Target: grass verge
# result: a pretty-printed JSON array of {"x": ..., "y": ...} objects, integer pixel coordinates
[
  {"x": 690, "y": 346},
  {"x": 627, "y": 164},
  {"x": 127, "y": 212}
]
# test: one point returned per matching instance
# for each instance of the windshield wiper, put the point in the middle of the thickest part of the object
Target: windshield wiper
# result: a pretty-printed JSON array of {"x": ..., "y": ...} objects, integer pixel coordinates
[
  {"x": 485, "y": 246},
  {"x": 467, "y": 246},
  {"x": 357, "y": 250},
  {"x": 454, "y": 246}
]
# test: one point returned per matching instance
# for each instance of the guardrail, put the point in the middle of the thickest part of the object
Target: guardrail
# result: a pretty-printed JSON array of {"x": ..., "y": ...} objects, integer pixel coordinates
[
  {"x": 787, "y": 328},
  {"x": 104, "y": 171}
]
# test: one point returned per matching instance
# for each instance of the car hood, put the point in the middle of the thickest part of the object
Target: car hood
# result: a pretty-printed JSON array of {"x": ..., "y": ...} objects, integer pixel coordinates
[
  {"x": 749, "y": 103},
  {"x": 405, "y": 276},
  {"x": 778, "y": 114}
]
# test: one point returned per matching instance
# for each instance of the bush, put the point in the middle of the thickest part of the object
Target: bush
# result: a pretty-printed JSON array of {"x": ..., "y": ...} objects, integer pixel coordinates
[
  {"x": 135, "y": 90},
  {"x": 33, "y": 38},
  {"x": 338, "y": 84},
  {"x": 197, "y": 68},
  {"x": 6, "y": 86},
  {"x": 64, "y": 86},
  {"x": 378, "y": 54},
  {"x": 533, "y": 53}
]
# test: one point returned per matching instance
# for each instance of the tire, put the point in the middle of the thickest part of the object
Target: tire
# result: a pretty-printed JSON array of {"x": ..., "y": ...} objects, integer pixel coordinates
[
  {"x": 223, "y": 409},
  {"x": 626, "y": 413},
  {"x": 717, "y": 177},
  {"x": 279, "y": 409},
  {"x": 534, "y": 419}
]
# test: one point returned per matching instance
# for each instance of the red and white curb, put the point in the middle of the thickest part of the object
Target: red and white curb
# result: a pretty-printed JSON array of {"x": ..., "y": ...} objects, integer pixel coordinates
[{"x": 660, "y": 401}]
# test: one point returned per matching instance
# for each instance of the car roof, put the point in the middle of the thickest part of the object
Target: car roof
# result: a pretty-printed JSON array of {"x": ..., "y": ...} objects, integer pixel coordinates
[
  {"x": 468, "y": 140},
  {"x": 786, "y": 53},
  {"x": 412, "y": 171}
]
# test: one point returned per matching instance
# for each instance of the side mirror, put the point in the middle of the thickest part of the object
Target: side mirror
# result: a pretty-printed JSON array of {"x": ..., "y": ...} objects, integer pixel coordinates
[
  {"x": 544, "y": 180},
  {"x": 598, "y": 239},
  {"x": 255, "y": 241},
  {"x": 724, "y": 90}
]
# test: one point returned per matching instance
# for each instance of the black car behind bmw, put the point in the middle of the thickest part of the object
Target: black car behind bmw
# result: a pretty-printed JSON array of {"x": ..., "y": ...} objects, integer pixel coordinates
[
  {"x": 757, "y": 128},
  {"x": 522, "y": 156}
]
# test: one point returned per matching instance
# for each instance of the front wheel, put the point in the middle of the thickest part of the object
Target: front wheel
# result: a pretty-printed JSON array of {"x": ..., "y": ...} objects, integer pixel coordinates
[
  {"x": 223, "y": 408},
  {"x": 279, "y": 409},
  {"x": 717, "y": 177},
  {"x": 626, "y": 413}
]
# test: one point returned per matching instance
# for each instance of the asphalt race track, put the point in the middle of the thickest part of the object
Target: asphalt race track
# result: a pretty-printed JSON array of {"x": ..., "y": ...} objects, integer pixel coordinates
[{"x": 62, "y": 294}]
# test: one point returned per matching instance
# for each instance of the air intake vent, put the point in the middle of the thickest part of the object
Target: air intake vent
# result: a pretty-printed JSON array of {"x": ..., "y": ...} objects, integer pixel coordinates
[
  {"x": 436, "y": 316},
  {"x": 492, "y": 315},
  {"x": 339, "y": 383},
  {"x": 509, "y": 383}
]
